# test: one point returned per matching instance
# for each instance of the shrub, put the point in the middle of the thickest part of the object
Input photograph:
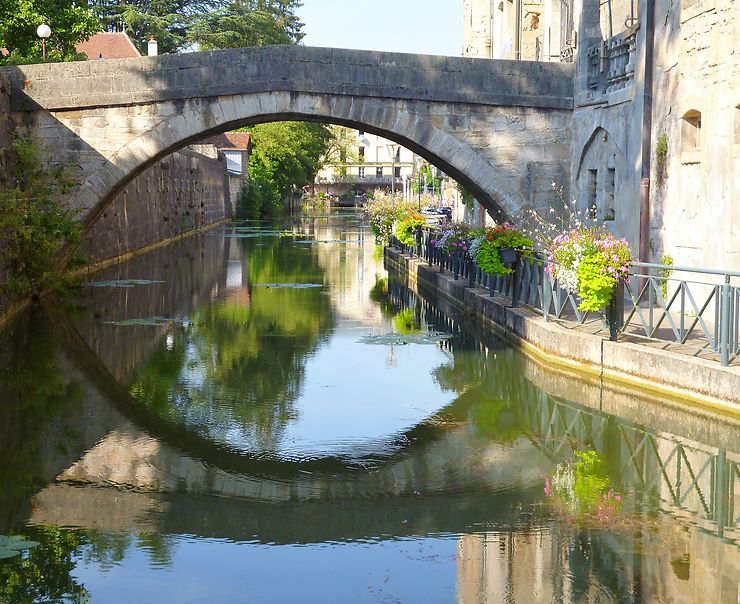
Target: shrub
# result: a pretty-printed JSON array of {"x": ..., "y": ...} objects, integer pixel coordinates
[{"x": 34, "y": 224}]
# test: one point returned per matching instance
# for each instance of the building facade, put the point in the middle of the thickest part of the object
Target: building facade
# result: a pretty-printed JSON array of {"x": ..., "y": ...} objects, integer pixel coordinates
[
  {"x": 655, "y": 148},
  {"x": 372, "y": 163}
]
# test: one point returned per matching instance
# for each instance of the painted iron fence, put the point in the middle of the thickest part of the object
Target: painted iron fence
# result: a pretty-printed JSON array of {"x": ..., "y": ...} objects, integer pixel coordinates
[{"x": 697, "y": 311}]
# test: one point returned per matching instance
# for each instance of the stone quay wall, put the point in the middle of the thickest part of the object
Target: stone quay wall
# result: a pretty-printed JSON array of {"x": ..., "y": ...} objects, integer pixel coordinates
[{"x": 183, "y": 192}]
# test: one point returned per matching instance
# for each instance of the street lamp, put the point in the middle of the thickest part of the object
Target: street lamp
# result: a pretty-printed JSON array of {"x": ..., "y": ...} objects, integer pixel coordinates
[
  {"x": 43, "y": 31},
  {"x": 393, "y": 149}
]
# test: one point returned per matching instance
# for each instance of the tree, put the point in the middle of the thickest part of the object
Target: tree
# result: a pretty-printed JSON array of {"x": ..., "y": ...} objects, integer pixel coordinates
[
  {"x": 210, "y": 24},
  {"x": 342, "y": 147},
  {"x": 167, "y": 20},
  {"x": 285, "y": 157},
  {"x": 71, "y": 21},
  {"x": 247, "y": 23}
]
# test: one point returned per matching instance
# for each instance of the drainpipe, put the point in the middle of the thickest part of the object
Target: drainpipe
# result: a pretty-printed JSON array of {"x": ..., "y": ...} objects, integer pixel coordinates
[
  {"x": 518, "y": 31},
  {"x": 647, "y": 126}
]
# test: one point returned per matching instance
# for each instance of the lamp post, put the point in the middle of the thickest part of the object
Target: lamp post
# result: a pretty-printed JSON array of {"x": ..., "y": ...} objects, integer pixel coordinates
[
  {"x": 43, "y": 31},
  {"x": 392, "y": 150}
]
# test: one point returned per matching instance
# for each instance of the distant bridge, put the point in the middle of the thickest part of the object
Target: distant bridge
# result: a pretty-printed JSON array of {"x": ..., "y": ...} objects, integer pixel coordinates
[{"x": 499, "y": 127}]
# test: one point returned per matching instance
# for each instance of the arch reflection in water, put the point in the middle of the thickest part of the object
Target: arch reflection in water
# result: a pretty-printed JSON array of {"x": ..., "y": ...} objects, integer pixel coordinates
[{"x": 453, "y": 492}]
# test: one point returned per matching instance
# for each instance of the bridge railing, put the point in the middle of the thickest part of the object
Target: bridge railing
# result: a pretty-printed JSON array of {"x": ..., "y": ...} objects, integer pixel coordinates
[{"x": 693, "y": 309}]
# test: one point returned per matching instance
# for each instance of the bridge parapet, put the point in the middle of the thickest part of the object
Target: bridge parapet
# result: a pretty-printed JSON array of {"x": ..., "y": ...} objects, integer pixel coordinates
[{"x": 293, "y": 69}]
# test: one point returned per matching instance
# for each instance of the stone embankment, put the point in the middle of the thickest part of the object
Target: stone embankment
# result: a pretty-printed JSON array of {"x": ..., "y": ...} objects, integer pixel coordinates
[{"x": 682, "y": 378}]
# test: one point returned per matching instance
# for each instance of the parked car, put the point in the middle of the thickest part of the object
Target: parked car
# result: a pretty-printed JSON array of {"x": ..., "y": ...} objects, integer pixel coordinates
[{"x": 435, "y": 215}]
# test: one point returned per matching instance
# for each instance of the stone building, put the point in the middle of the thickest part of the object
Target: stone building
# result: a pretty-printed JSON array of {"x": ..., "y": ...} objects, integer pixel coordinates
[
  {"x": 656, "y": 115},
  {"x": 377, "y": 163}
]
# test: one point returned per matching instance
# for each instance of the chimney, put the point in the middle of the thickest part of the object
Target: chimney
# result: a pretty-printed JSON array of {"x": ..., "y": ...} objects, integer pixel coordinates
[{"x": 151, "y": 47}]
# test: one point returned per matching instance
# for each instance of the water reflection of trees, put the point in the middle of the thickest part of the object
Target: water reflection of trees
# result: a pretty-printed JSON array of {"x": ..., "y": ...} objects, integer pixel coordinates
[
  {"x": 240, "y": 361},
  {"x": 33, "y": 393}
]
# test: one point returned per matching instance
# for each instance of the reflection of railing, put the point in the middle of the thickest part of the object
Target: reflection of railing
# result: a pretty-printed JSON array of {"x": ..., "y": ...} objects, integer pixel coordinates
[
  {"x": 699, "y": 315},
  {"x": 683, "y": 475},
  {"x": 672, "y": 472}
]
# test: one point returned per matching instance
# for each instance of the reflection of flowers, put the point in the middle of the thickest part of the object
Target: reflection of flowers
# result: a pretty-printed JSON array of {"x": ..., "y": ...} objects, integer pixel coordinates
[{"x": 580, "y": 490}]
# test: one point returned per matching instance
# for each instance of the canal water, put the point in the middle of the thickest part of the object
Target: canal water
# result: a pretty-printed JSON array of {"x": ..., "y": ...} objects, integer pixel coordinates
[{"x": 267, "y": 415}]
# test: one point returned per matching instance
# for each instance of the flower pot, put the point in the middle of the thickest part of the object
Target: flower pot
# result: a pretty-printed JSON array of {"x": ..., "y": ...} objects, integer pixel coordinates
[{"x": 509, "y": 256}]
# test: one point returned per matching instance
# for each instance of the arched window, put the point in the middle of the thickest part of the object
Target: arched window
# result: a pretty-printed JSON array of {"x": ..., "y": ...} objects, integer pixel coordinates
[{"x": 691, "y": 131}]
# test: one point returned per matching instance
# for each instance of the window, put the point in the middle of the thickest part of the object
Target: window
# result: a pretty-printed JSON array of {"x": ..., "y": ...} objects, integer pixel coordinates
[
  {"x": 691, "y": 136},
  {"x": 691, "y": 131},
  {"x": 361, "y": 172},
  {"x": 593, "y": 178},
  {"x": 609, "y": 194},
  {"x": 362, "y": 153},
  {"x": 397, "y": 171},
  {"x": 360, "y": 133},
  {"x": 379, "y": 171}
]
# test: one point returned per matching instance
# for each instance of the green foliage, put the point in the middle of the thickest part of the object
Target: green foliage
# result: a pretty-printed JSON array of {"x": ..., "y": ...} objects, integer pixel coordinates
[
  {"x": 590, "y": 478},
  {"x": 408, "y": 227},
  {"x": 595, "y": 286},
  {"x": 44, "y": 573},
  {"x": 249, "y": 350},
  {"x": 580, "y": 489},
  {"x": 34, "y": 224},
  {"x": 486, "y": 248},
  {"x": 285, "y": 157},
  {"x": 665, "y": 273},
  {"x": 661, "y": 154},
  {"x": 383, "y": 211},
  {"x": 406, "y": 322},
  {"x": 210, "y": 24},
  {"x": 589, "y": 262},
  {"x": 243, "y": 23},
  {"x": 71, "y": 22},
  {"x": 426, "y": 170}
]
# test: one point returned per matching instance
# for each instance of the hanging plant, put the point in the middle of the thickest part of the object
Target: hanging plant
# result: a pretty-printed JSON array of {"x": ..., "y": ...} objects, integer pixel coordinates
[
  {"x": 590, "y": 262},
  {"x": 486, "y": 249},
  {"x": 408, "y": 227}
]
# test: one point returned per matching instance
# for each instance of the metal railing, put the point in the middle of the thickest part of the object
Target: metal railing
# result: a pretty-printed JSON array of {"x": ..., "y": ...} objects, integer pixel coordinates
[
  {"x": 678, "y": 474},
  {"x": 697, "y": 311}
]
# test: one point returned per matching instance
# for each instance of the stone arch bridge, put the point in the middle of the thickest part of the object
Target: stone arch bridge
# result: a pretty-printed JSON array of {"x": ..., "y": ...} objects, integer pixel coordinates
[{"x": 502, "y": 128}]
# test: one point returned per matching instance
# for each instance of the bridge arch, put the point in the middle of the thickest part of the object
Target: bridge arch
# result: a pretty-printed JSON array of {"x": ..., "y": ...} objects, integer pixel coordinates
[{"x": 193, "y": 120}]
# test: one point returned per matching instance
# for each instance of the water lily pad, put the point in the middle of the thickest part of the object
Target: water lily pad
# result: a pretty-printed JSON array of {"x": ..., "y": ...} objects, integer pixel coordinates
[
  {"x": 13, "y": 545},
  {"x": 401, "y": 339},
  {"x": 149, "y": 322},
  {"x": 122, "y": 283},
  {"x": 288, "y": 285}
]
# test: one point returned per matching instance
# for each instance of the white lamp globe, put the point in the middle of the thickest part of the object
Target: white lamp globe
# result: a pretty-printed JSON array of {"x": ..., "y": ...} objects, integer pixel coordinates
[{"x": 43, "y": 31}]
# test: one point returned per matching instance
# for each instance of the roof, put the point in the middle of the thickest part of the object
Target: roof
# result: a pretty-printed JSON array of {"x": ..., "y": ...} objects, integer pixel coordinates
[
  {"x": 228, "y": 140},
  {"x": 108, "y": 45}
]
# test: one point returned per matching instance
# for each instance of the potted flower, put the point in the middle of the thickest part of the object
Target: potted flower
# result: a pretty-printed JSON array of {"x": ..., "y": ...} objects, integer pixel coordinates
[
  {"x": 456, "y": 237},
  {"x": 497, "y": 249},
  {"x": 408, "y": 227},
  {"x": 589, "y": 262}
]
